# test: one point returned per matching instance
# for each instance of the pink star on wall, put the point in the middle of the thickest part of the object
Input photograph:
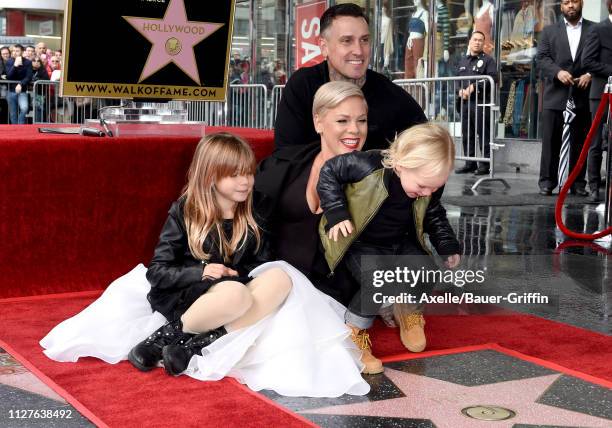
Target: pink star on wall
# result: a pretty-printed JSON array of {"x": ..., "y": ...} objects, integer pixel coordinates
[
  {"x": 173, "y": 38},
  {"x": 441, "y": 402}
]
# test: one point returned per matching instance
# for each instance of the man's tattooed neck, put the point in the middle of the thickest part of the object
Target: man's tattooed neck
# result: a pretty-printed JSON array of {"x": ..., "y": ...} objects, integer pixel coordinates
[{"x": 335, "y": 76}]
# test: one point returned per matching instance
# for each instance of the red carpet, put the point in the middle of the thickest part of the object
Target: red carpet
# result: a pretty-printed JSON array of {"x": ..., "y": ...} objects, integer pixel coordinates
[
  {"x": 121, "y": 396},
  {"x": 567, "y": 346}
]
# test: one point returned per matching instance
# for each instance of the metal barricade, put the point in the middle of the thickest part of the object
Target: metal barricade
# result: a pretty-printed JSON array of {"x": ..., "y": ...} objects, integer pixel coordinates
[
  {"x": 49, "y": 107},
  {"x": 608, "y": 195},
  {"x": 247, "y": 106},
  {"x": 418, "y": 90},
  {"x": 214, "y": 113},
  {"x": 470, "y": 118},
  {"x": 275, "y": 97}
]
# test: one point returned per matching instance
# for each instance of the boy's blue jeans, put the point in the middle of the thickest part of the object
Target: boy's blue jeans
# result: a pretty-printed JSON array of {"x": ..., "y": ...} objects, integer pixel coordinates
[
  {"x": 18, "y": 107},
  {"x": 362, "y": 315}
]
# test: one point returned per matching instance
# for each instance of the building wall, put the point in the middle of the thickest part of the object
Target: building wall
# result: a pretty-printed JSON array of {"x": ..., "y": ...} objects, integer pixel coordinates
[{"x": 56, "y": 5}]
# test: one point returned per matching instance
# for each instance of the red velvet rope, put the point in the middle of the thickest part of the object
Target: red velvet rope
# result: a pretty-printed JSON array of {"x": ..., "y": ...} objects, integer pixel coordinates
[{"x": 605, "y": 99}]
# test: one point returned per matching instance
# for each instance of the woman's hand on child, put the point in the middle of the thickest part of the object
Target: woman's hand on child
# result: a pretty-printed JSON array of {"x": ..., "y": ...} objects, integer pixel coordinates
[
  {"x": 217, "y": 270},
  {"x": 452, "y": 261},
  {"x": 346, "y": 227}
]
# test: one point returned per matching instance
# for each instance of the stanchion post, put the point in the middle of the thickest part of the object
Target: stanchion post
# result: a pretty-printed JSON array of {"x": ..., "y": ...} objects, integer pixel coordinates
[{"x": 608, "y": 198}]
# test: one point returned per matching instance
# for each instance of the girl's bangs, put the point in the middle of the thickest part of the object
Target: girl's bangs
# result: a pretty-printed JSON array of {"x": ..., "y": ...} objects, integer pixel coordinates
[{"x": 236, "y": 161}]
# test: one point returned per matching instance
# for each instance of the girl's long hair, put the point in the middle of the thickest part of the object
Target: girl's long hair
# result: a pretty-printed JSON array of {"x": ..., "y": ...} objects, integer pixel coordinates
[{"x": 217, "y": 156}]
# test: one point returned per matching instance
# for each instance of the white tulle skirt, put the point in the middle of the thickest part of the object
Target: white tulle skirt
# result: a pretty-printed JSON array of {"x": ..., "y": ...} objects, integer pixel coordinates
[{"x": 302, "y": 349}]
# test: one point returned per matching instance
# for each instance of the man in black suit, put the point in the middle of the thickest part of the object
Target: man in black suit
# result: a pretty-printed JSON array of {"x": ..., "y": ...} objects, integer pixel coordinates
[
  {"x": 559, "y": 59},
  {"x": 597, "y": 59}
]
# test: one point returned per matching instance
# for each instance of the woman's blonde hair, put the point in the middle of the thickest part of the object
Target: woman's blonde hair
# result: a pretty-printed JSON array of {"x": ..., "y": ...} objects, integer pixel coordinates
[
  {"x": 331, "y": 94},
  {"x": 217, "y": 156},
  {"x": 427, "y": 145}
]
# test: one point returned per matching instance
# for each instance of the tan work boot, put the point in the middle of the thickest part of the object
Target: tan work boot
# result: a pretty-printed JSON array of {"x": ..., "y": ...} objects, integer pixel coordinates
[
  {"x": 411, "y": 326},
  {"x": 372, "y": 365}
]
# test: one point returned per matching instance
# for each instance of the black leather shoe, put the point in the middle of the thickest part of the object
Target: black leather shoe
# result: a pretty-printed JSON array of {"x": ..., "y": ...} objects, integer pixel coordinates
[
  {"x": 482, "y": 171},
  {"x": 594, "y": 196},
  {"x": 546, "y": 192},
  {"x": 176, "y": 356},
  {"x": 148, "y": 353},
  {"x": 466, "y": 169},
  {"x": 579, "y": 192}
]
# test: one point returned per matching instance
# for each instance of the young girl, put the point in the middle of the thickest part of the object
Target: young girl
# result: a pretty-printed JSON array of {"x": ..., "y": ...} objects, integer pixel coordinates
[
  {"x": 207, "y": 247},
  {"x": 393, "y": 198},
  {"x": 218, "y": 308}
]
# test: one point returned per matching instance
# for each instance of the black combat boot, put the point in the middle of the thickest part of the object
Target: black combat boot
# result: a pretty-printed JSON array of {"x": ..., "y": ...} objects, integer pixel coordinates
[
  {"x": 176, "y": 356},
  {"x": 148, "y": 353}
]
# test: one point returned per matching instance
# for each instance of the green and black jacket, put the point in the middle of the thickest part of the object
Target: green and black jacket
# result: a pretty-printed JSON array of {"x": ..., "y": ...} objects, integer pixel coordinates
[{"x": 354, "y": 186}]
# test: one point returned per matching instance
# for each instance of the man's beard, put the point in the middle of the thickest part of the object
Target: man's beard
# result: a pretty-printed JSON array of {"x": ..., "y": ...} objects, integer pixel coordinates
[{"x": 576, "y": 17}]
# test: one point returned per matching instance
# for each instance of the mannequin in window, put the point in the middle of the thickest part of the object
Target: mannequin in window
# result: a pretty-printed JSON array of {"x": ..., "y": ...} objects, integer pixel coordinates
[
  {"x": 483, "y": 22},
  {"x": 442, "y": 26},
  {"x": 524, "y": 21},
  {"x": 442, "y": 37},
  {"x": 415, "y": 47},
  {"x": 386, "y": 35}
]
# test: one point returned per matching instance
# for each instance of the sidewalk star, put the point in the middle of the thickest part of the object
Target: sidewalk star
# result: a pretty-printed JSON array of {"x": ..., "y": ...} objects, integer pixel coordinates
[{"x": 441, "y": 402}]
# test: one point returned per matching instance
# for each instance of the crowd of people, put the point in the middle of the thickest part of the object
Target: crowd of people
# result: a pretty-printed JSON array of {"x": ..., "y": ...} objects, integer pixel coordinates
[
  {"x": 22, "y": 67},
  {"x": 271, "y": 73}
]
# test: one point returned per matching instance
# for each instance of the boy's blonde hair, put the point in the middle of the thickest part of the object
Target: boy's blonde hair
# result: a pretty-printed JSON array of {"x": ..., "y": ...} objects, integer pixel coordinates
[
  {"x": 331, "y": 94},
  {"x": 425, "y": 145}
]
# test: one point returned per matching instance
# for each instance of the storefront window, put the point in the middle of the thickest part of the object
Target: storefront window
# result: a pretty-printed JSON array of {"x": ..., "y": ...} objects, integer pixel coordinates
[
  {"x": 45, "y": 27},
  {"x": 271, "y": 46},
  {"x": 241, "y": 45},
  {"x": 446, "y": 24},
  {"x": 520, "y": 88}
]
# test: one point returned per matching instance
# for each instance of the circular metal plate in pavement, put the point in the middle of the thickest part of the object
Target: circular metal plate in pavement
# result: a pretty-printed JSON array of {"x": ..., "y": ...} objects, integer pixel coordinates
[{"x": 488, "y": 413}]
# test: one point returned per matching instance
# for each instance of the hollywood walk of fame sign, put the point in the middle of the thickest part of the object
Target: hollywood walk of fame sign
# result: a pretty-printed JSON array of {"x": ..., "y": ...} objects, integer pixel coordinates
[{"x": 147, "y": 49}]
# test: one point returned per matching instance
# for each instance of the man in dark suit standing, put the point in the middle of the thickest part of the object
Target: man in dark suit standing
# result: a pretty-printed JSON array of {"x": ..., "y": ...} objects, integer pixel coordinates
[
  {"x": 597, "y": 59},
  {"x": 559, "y": 59}
]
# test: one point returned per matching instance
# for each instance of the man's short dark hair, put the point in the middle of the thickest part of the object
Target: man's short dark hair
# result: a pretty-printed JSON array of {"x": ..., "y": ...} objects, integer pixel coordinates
[
  {"x": 344, "y": 9},
  {"x": 478, "y": 32},
  {"x": 610, "y": 6},
  {"x": 18, "y": 46}
]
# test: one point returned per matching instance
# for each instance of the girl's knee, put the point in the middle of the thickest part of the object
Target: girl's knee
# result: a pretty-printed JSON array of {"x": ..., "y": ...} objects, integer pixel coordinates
[
  {"x": 237, "y": 297},
  {"x": 280, "y": 279},
  {"x": 190, "y": 325}
]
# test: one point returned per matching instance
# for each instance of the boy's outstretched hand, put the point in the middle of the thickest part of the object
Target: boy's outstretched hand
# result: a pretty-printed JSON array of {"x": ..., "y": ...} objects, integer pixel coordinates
[
  {"x": 452, "y": 261},
  {"x": 346, "y": 227}
]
